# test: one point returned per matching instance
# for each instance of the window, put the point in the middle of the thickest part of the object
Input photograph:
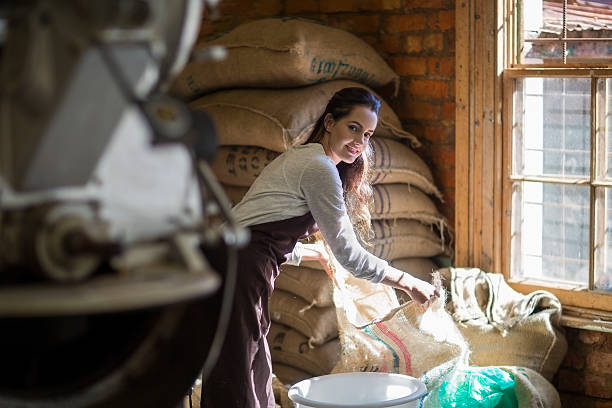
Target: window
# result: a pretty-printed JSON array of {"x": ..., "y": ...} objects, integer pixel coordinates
[
  {"x": 559, "y": 95},
  {"x": 534, "y": 146}
]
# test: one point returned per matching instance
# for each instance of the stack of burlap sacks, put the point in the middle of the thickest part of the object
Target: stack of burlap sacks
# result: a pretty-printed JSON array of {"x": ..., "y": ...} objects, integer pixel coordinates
[{"x": 265, "y": 98}]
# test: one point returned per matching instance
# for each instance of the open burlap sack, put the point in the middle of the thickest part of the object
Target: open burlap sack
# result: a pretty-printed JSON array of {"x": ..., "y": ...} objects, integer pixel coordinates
[
  {"x": 288, "y": 346},
  {"x": 402, "y": 238},
  {"x": 240, "y": 165},
  {"x": 408, "y": 339},
  {"x": 284, "y": 53},
  {"x": 278, "y": 119},
  {"x": 504, "y": 327},
  {"x": 234, "y": 193},
  {"x": 288, "y": 374},
  {"x": 318, "y": 324},
  {"x": 394, "y": 162},
  {"x": 312, "y": 285}
]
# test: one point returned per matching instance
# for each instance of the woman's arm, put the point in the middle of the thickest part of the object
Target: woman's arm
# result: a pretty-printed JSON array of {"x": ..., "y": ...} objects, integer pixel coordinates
[
  {"x": 322, "y": 188},
  {"x": 419, "y": 290}
]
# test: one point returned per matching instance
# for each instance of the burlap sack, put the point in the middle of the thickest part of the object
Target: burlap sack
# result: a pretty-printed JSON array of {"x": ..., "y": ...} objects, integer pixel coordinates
[
  {"x": 505, "y": 327},
  {"x": 281, "y": 395},
  {"x": 284, "y": 53},
  {"x": 278, "y": 119},
  {"x": 411, "y": 342},
  {"x": 394, "y": 162},
  {"x": 397, "y": 200},
  {"x": 234, "y": 193},
  {"x": 533, "y": 343},
  {"x": 289, "y": 375},
  {"x": 312, "y": 285},
  {"x": 532, "y": 390},
  {"x": 240, "y": 165},
  {"x": 420, "y": 268},
  {"x": 291, "y": 347},
  {"x": 318, "y": 324},
  {"x": 402, "y": 238}
]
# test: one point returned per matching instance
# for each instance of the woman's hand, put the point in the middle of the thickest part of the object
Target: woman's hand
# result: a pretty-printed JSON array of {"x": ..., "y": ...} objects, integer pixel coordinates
[
  {"x": 316, "y": 252},
  {"x": 420, "y": 291}
]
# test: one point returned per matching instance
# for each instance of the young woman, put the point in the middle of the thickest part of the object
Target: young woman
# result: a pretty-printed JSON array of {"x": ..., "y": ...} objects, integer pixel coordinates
[{"x": 319, "y": 185}]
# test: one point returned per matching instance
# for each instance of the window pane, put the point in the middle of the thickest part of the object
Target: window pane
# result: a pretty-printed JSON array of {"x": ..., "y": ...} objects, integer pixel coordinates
[
  {"x": 551, "y": 232},
  {"x": 544, "y": 20},
  {"x": 603, "y": 273},
  {"x": 554, "y": 121}
]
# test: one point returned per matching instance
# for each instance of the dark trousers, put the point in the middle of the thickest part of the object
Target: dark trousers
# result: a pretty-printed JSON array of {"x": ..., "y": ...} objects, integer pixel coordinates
[{"x": 242, "y": 377}]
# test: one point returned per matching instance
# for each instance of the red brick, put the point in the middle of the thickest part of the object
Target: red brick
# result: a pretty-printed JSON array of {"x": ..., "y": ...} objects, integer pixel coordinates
[
  {"x": 301, "y": 6},
  {"x": 375, "y": 5},
  {"x": 446, "y": 177},
  {"x": 448, "y": 111},
  {"x": 447, "y": 207},
  {"x": 420, "y": 4},
  {"x": 443, "y": 156},
  {"x": 389, "y": 44},
  {"x": 433, "y": 42},
  {"x": 405, "y": 66},
  {"x": 590, "y": 337},
  {"x": 570, "y": 380},
  {"x": 413, "y": 44},
  {"x": 600, "y": 362},
  {"x": 438, "y": 134},
  {"x": 569, "y": 400},
  {"x": 233, "y": 8},
  {"x": 361, "y": 24},
  {"x": 404, "y": 23},
  {"x": 441, "y": 66},
  {"x": 573, "y": 360},
  {"x": 450, "y": 41},
  {"x": 419, "y": 110},
  {"x": 427, "y": 88},
  {"x": 597, "y": 386},
  {"x": 268, "y": 7},
  {"x": 336, "y": 6},
  {"x": 607, "y": 346},
  {"x": 373, "y": 41},
  {"x": 445, "y": 20}
]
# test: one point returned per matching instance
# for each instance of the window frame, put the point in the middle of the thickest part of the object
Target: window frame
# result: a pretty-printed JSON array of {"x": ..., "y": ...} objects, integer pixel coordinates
[
  {"x": 485, "y": 52},
  {"x": 581, "y": 296}
]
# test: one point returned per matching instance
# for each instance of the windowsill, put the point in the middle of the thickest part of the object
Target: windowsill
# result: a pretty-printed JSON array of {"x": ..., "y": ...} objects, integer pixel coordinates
[{"x": 585, "y": 319}]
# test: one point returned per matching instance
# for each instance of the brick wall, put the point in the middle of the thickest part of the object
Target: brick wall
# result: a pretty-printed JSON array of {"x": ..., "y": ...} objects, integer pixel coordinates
[
  {"x": 416, "y": 38},
  {"x": 585, "y": 377}
]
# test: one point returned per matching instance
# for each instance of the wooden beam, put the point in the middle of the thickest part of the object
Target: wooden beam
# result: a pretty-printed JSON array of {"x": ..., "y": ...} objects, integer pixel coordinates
[
  {"x": 478, "y": 137},
  {"x": 463, "y": 43}
]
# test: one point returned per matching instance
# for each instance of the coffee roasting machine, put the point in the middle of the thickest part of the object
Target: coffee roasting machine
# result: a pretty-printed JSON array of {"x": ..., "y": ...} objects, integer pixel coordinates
[{"x": 105, "y": 199}]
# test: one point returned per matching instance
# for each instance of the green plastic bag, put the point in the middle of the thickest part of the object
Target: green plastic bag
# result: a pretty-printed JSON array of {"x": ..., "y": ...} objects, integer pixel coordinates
[{"x": 478, "y": 387}]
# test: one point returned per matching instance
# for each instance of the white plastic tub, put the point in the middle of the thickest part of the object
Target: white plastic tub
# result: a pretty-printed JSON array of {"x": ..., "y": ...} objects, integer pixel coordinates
[{"x": 358, "y": 390}]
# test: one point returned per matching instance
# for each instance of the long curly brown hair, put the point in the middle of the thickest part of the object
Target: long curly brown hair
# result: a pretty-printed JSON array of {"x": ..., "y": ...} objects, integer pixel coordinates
[{"x": 356, "y": 187}]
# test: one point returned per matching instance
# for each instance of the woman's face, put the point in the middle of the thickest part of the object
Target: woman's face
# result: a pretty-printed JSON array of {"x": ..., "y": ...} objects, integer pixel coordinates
[{"x": 347, "y": 137}]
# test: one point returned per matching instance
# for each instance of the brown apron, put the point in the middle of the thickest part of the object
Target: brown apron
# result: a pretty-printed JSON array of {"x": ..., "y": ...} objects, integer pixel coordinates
[{"x": 242, "y": 377}]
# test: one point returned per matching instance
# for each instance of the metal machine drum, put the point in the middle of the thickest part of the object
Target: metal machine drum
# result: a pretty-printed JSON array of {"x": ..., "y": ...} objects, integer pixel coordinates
[
  {"x": 146, "y": 358},
  {"x": 106, "y": 198}
]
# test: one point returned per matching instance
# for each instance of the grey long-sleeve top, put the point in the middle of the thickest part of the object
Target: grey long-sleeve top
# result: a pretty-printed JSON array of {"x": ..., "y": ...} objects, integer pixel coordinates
[{"x": 304, "y": 179}]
